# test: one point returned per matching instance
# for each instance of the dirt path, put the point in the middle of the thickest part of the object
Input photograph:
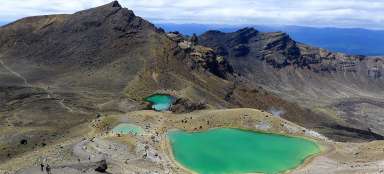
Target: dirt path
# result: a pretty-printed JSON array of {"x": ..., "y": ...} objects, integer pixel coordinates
[
  {"x": 14, "y": 73},
  {"x": 27, "y": 84}
]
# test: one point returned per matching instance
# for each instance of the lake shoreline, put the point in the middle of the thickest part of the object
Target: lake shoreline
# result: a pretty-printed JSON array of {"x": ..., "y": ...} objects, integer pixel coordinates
[{"x": 321, "y": 147}]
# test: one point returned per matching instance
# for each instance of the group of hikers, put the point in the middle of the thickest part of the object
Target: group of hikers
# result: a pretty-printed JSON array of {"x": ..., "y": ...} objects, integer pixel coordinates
[{"x": 47, "y": 168}]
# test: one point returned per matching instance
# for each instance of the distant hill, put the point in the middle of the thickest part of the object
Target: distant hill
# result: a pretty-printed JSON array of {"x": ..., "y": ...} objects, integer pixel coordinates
[
  {"x": 189, "y": 29},
  {"x": 351, "y": 41}
]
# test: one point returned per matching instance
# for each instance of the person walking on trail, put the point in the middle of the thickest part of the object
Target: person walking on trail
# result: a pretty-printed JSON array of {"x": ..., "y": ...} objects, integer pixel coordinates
[
  {"x": 48, "y": 169},
  {"x": 42, "y": 167}
]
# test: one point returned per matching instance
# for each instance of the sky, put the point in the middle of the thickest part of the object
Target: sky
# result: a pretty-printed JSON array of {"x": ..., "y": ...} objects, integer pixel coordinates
[{"x": 318, "y": 13}]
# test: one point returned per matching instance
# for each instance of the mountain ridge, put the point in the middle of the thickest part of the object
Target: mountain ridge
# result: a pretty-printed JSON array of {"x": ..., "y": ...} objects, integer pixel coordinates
[
  {"x": 313, "y": 77},
  {"x": 346, "y": 40}
]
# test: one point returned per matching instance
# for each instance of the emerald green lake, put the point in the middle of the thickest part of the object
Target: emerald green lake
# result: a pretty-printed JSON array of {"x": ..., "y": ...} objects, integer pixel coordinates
[
  {"x": 126, "y": 128},
  {"x": 160, "y": 102},
  {"x": 235, "y": 151}
]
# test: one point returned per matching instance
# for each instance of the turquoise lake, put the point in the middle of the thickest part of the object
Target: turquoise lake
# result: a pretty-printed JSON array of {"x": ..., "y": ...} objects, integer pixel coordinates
[
  {"x": 235, "y": 151},
  {"x": 160, "y": 102},
  {"x": 127, "y": 128}
]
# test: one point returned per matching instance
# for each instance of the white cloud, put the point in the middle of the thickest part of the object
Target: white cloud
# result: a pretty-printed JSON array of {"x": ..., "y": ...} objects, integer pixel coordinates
[{"x": 337, "y": 13}]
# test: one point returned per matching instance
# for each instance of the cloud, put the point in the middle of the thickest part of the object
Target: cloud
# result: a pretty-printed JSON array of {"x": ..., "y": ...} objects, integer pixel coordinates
[{"x": 336, "y": 13}]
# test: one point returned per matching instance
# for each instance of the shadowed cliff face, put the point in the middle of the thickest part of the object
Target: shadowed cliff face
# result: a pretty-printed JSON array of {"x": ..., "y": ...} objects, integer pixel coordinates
[{"x": 313, "y": 77}]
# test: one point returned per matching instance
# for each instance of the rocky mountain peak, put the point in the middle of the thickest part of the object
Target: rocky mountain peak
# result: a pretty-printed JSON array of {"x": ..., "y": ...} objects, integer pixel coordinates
[
  {"x": 106, "y": 9},
  {"x": 243, "y": 36},
  {"x": 111, "y": 5},
  {"x": 116, "y": 4},
  {"x": 247, "y": 30},
  {"x": 76, "y": 38}
]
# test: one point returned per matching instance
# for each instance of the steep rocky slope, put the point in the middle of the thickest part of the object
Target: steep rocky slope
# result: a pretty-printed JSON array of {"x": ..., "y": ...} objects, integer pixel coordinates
[{"x": 347, "y": 88}]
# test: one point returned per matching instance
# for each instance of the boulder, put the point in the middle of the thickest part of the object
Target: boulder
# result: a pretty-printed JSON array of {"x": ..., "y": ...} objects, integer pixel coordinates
[{"x": 102, "y": 166}]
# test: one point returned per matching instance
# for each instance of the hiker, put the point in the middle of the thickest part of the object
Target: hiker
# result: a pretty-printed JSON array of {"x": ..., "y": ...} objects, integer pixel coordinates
[
  {"x": 42, "y": 167},
  {"x": 48, "y": 169}
]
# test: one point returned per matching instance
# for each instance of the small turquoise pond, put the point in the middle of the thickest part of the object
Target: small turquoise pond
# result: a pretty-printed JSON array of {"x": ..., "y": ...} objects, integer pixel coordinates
[
  {"x": 160, "y": 102},
  {"x": 126, "y": 128},
  {"x": 234, "y": 151}
]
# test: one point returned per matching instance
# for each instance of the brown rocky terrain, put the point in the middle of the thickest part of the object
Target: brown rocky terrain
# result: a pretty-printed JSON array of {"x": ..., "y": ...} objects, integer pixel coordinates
[{"x": 60, "y": 72}]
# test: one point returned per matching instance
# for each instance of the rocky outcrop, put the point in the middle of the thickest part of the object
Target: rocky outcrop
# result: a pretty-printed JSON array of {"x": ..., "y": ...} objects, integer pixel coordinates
[
  {"x": 102, "y": 166},
  {"x": 200, "y": 57},
  {"x": 184, "y": 105},
  {"x": 277, "y": 49},
  {"x": 203, "y": 57},
  {"x": 194, "y": 39}
]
